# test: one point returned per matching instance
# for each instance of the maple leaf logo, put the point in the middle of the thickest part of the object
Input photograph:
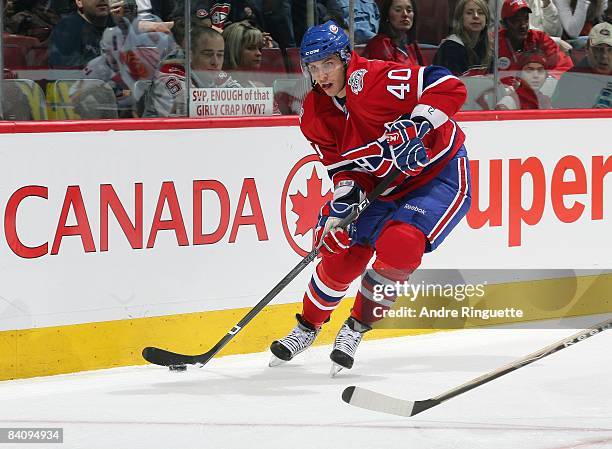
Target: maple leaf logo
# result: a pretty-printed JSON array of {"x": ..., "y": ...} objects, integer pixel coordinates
[{"x": 307, "y": 207}]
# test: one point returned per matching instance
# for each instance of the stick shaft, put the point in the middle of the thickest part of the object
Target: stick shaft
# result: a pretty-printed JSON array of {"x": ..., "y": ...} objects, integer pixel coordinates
[
  {"x": 371, "y": 197},
  {"x": 524, "y": 361}
]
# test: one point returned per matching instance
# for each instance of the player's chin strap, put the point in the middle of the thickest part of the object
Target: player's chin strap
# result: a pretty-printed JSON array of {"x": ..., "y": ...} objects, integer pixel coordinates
[{"x": 312, "y": 83}]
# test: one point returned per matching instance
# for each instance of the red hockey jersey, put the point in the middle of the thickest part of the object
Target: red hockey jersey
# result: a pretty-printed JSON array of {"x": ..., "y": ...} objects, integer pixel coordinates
[{"x": 350, "y": 138}]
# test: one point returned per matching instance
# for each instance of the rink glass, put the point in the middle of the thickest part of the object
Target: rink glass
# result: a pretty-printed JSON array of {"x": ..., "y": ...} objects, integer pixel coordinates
[{"x": 34, "y": 87}]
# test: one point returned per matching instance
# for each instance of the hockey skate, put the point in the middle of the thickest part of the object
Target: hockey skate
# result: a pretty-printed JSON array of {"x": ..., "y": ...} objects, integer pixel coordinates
[
  {"x": 298, "y": 340},
  {"x": 345, "y": 346}
]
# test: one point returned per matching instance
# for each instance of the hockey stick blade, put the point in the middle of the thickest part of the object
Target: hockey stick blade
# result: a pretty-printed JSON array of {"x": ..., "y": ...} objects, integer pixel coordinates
[
  {"x": 371, "y": 400},
  {"x": 162, "y": 357},
  {"x": 377, "y": 402}
]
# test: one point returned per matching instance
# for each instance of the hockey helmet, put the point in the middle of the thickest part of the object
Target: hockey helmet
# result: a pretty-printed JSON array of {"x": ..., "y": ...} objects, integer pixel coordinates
[{"x": 322, "y": 41}]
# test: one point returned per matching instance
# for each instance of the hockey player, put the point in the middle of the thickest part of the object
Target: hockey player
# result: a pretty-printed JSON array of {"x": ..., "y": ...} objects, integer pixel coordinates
[{"x": 363, "y": 117}]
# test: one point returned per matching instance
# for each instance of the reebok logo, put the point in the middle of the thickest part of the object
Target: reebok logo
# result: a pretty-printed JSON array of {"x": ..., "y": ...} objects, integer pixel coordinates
[{"x": 414, "y": 208}]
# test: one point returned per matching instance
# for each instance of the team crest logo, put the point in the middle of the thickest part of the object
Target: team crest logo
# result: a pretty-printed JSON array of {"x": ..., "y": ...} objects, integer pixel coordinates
[
  {"x": 356, "y": 80},
  {"x": 219, "y": 13},
  {"x": 333, "y": 29}
]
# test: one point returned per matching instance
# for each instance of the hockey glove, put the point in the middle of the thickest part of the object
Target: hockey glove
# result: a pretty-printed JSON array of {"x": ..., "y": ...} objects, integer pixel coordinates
[
  {"x": 407, "y": 149},
  {"x": 329, "y": 238}
]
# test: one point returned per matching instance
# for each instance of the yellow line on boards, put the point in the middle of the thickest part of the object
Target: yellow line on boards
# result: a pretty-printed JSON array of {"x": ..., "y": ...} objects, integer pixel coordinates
[{"x": 80, "y": 347}]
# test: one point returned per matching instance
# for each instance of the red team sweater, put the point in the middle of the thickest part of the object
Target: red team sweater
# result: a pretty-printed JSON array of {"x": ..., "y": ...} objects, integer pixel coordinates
[
  {"x": 382, "y": 47},
  {"x": 536, "y": 41},
  {"x": 350, "y": 138}
]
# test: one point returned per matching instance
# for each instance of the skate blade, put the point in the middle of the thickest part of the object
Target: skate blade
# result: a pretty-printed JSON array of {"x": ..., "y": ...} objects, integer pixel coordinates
[
  {"x": 275, "y": 361},
  {"x": 335, "y": 369}
]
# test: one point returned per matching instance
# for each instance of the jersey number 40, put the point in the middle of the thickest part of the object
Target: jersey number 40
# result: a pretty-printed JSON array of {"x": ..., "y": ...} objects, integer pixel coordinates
[{"x": 401, "y": 89}]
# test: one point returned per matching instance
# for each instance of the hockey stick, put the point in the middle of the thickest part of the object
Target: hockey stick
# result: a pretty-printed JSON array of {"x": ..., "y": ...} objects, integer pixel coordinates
[
  {"x": 368, "y": 399},
  {"x": 162, "y": 357}
]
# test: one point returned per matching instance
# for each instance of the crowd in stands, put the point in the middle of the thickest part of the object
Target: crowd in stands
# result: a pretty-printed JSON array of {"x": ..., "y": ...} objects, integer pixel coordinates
[{"x": 551, "y": 53}]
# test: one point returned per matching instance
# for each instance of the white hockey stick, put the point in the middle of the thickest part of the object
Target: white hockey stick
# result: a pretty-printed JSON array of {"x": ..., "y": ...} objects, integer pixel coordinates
[{"x": 368, "y": 399}]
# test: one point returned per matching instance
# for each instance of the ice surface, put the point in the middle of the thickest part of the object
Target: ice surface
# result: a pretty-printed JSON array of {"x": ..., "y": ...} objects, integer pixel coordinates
[{"x": 560, "y": 402}]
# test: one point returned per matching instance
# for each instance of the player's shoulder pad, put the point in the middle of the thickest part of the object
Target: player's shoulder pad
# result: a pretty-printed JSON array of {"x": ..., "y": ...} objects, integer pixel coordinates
[
  {"x": 363, "y": 73},
  {"x": 436, "y": 72},
  {"x": 434, "y": 75}
]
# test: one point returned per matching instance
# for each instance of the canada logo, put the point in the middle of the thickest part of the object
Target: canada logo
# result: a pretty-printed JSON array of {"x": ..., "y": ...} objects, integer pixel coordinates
[{"x": 306, "y": 190}]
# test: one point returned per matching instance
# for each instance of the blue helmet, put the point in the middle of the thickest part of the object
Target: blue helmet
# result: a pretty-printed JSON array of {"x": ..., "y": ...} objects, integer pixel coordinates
[{"x": 324, "y": 40}]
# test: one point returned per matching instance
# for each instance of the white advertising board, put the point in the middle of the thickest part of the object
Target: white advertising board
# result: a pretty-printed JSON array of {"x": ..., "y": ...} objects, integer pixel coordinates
[{"x": 115, "y": 225}]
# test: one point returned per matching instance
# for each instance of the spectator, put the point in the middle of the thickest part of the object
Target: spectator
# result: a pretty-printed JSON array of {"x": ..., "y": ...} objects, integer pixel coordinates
[
  {"x": 468, "y": 51},
  {"x": 286, "y": 21},
  {"x": 206, "y": 13},
  {"x": 127, "y": 57},
  {"x": 396, "y": 38},
  {"x": 545, "y": 17},
  {"x": 76, "y": 39},
  {"x": 208, "y": 50},
  {"x": 32, "y": 18},
  {"x": 248, "y": 10},
  {"x": 516, "y": 37},
  {"x": 524, "y": 90},
  {"x": 578, "y": 17},
  {"x": 106, "y": 68},
  {"x": 167, "y": 95},
  {"x": 367, "y": 17},
  {"x": 589, "y": 83},
  {"x": 243, "y": 45},
  {"x": 163, "y": 10}
]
